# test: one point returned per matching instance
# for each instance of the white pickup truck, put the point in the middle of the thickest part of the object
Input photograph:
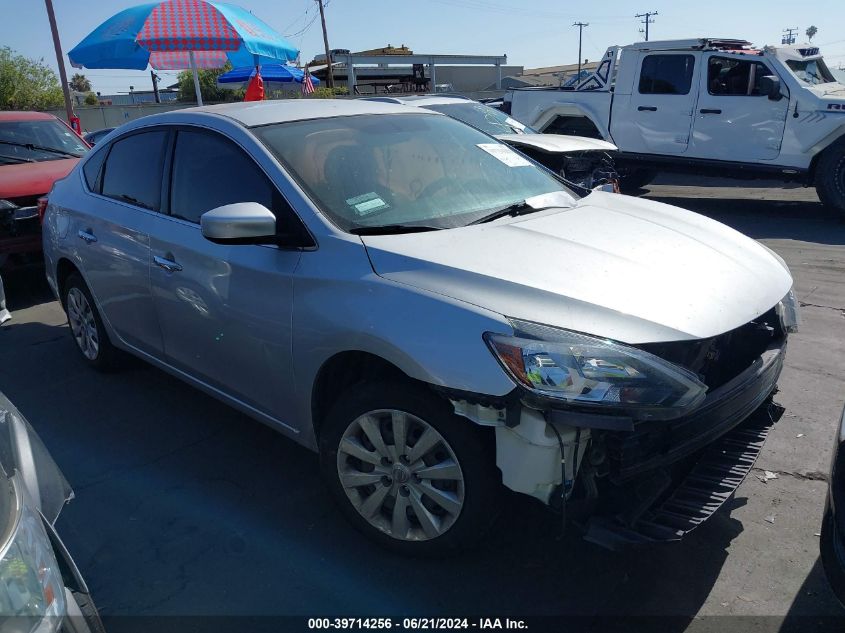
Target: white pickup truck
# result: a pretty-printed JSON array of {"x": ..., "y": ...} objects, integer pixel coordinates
[{"x": 712, "y": 106}]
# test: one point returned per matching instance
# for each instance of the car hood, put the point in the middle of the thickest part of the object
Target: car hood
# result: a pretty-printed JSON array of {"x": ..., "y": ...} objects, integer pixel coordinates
[
  {"x": 557, "y": 143},
  {"x": 29, "y": 179},
  {"x": 624, "y": 268}
]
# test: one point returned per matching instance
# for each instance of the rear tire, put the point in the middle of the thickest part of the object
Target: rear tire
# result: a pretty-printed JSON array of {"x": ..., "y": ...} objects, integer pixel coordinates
[
  {"x": 830, "y": 177},
  {"x": 86, "y": 326},
  {"x": 381, "y": 484},
  {"x": 631, "y": 181}
]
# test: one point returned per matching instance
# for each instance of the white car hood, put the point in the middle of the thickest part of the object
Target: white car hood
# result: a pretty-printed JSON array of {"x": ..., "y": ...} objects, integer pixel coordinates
[
  {"x": 557, "y": 143},
  {"x": 628, "y": 269}
]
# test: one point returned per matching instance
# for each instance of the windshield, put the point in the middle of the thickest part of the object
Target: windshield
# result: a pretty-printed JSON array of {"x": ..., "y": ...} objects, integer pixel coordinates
[
  {"x": 404, "y": 169},
  {"x": 24, "y": 141},
  {"x": 813, "y": 72},
  {"x": 483, "y": 117}
]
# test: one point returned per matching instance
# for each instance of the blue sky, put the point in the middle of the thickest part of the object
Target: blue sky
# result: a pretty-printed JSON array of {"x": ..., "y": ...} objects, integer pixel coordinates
[{"x": 536, "y": 33}]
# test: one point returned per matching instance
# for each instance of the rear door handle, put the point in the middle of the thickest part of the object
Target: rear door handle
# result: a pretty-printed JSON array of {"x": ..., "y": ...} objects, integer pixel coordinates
[
  {"x": 710, "y": 111},
  {"x": 87, "y": 236},
  {"x": 168, "y": 264},
  {"x": 647, "y": 109}
]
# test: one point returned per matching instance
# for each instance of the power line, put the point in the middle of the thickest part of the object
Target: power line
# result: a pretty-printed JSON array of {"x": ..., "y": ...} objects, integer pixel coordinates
[
  {"x": 580, "y": 26},
  {"x": 646, "y": 20},
  {"x": 789, "y": 36}
]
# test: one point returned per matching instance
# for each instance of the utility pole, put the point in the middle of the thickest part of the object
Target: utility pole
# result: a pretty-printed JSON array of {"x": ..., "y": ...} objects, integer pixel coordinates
[
  {"x": 646, "y": 20},
  {"x": 60, "y": 59},
  {"x": 330, "y": 75},
  {"x": 788, "y": 36},
  {"x": 580, "y": 26},
  {"x": 154, "y": 77}
]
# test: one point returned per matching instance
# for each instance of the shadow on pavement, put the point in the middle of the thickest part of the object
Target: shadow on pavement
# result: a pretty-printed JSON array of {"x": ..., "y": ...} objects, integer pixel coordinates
[
  {"x": 186, "y": 507},
  {"x": 803, "y": 615},
  {"x": 26, "y": 287}
]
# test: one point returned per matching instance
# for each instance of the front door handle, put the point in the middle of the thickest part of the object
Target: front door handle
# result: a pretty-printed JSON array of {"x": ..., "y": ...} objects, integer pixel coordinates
[
  {"x": 647, "y": 109},
  {"x": 87, "y": 236},
  {"x": 710, "y": 111},
  {"x": 168, "y": 264}
]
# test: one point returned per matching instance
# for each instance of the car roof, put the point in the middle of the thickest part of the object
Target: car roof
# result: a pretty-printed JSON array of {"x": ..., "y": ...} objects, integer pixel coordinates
[
  {"x": 255, "y": 113},
  {"x": 422, "y": 101},
  {"x": 26, "y": 116}
]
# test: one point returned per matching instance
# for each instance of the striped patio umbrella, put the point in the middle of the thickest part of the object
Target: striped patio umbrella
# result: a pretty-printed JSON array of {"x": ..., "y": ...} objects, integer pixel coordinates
[{"x": 179, "y": 34}]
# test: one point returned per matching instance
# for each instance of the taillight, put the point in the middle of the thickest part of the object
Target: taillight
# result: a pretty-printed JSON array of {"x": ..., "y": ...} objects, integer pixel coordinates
[{"x": 42, "y": 208}]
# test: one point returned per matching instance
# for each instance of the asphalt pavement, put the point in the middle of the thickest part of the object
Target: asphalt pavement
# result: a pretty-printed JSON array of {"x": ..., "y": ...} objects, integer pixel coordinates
[{"x": 185, "y": 507}]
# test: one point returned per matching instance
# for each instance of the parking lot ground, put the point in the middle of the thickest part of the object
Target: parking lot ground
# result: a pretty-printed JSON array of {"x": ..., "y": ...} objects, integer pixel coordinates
[{"x": 186, "y": 507}]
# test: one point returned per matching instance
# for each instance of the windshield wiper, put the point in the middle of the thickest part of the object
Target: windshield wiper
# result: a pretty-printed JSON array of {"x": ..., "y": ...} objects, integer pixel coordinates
[
  {"x": 392, "y": 229},
  {"x": 18, "y": 159},
  {"x": 135, "y": 201},
  {"x": 515, "y": 209},
  {"x": 41, "y": 148}
]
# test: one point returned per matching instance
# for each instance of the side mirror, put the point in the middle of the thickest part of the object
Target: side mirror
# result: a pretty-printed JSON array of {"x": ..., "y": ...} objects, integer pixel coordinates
[
  {"x": 239, "y": 223},
  {"x": 770, "y": 86}
]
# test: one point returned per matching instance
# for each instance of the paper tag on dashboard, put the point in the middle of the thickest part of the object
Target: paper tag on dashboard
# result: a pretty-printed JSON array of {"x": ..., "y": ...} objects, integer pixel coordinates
[
  {"x": 504, "y": 154},
  {"x": 367, "y": 204}
]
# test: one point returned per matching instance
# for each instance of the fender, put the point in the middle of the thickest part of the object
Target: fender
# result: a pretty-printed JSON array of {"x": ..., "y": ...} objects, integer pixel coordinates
[
  {"x": 826, "y": 141},
  {"x": 544, "y": 114}
]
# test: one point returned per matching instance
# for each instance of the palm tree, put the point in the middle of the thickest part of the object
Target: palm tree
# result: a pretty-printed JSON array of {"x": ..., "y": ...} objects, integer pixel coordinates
[
  {"x": 80, "y": 83},
  {"x": 811, "y": 32}
]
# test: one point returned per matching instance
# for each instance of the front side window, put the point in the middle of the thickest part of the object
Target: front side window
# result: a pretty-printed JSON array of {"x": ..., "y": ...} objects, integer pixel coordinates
[
  {"x": 132, "y": 172},
  {"x": 667, "y": 74},
  {"x": 729, "y": 76},
  {"x": 27, "y": 141},
  {"x": 813, "y": 72},
  {"x": 377, "y": 170},
  {"x": 210, "y": 171},
  {"x": 483, "y": 117}
]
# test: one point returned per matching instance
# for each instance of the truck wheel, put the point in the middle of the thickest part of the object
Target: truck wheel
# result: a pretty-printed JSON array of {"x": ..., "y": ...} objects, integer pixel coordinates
[
  {"x": 830, "y": 177},
  {"x": 632, "y": 180},
  {"x": 86, "y": 326},
  {"x": 408, "y": 472}
]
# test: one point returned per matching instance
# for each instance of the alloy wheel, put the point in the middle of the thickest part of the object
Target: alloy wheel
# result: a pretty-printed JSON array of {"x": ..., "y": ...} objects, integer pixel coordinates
[
  {"x": 82, "y": 324},
  {"x": 401, "y": 475}
]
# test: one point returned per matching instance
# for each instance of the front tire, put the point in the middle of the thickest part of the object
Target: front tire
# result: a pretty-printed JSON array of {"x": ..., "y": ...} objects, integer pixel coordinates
[
  {"x": 408, "y": 472},
  {"x": 830, "y": 177},
  {"x": 86, "y": 326}
]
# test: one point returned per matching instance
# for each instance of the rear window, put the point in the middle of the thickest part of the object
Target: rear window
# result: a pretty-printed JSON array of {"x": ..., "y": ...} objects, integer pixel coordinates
[
  {"x": 667, "y": 74},
  {"x": 133, "y": 169}
]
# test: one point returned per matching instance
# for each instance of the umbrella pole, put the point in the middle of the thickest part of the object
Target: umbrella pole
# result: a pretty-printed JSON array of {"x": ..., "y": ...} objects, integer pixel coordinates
[{"x": 196, "y": 77}]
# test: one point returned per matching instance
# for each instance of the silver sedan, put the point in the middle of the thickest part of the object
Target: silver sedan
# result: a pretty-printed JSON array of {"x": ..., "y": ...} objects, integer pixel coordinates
[{"x": 425, "y": 306}]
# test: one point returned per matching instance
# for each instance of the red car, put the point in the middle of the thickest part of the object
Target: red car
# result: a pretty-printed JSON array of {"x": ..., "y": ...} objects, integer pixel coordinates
[{"x": 36, "y": 149}]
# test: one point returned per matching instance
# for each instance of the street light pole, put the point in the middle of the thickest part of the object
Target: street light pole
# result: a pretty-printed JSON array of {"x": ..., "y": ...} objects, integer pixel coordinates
[
  {"x": 60, "y": 59},
  {"x": 580, "y": 26},
  {"x": 330, "y": 75}
]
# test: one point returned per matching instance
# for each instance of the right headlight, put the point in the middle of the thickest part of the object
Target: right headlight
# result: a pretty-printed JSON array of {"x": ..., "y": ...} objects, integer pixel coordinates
[
  {"x": 31, "y": 586},
  {"x": 592, "y": 372}
]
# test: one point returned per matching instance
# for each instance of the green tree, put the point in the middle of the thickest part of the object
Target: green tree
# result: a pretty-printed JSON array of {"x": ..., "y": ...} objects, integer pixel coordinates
[
  {"x": 80, "y": 83},
  {"x": 27, "y": 84},
  {"x": 811, "y": 32},
  {"x": 208, "y": 85},
  {"x": 91, "y": 99}
]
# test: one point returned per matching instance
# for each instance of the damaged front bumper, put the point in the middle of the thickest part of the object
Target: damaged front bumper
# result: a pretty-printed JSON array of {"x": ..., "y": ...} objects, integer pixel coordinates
[{"x": 626, "y": 482}]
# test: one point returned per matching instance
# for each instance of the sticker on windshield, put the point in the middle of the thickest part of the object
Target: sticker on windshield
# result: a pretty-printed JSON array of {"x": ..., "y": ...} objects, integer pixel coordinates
[
  {"x": 505, "y": 154},
  {"x": 514, "y": 123},
  {"x": 367, "y": 204}
]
